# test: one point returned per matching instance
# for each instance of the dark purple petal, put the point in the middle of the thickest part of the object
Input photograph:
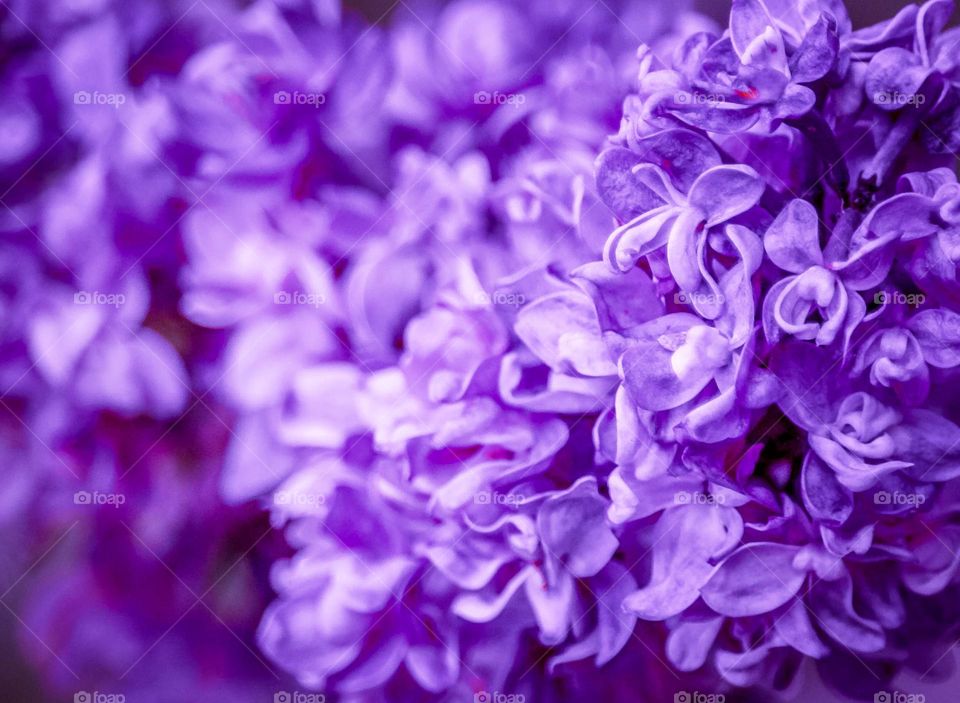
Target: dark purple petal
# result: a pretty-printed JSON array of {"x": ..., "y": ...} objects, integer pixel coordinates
[
  {"x": 619, "y": 188},
  {"x": 796, "y": 628},
  {"x": 823, "y": 495},
  {"x": 832, "y": 604},
  {"x": 817, "y": 54},
  {"x": 681, "y": 153},
  {"x": 931, "y": 443}
]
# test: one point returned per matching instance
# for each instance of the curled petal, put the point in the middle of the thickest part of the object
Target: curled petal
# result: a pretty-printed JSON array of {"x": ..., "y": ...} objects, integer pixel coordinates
[
  {"x": 682, "y": 249},
  {"x": 817, "y": 54},
  {"x": 639, "y": 237},
  {"x": 832, "y": 603},
  {"x": 723, "y": 192}
]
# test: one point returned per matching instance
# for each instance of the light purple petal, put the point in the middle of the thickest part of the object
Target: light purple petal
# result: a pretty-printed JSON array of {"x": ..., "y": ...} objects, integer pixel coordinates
[{"x": 755, "y": 579}]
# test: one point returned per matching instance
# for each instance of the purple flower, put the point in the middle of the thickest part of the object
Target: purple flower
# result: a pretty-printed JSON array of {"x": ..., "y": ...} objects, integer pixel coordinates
[
  {"x": 550, "y": 360},
  {"x": 758, "y": 71},
  {"x": 811, "y": 450},
  {"x": 792, "y": 243}
]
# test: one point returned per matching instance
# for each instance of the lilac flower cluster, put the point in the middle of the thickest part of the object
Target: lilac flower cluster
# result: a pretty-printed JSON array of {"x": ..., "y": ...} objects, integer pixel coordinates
[
  {"x": 433, "y": 474},
  {"x": 494, "y": 418},
  {"x": 787, "y": 362},
  {"x": 566, "y": 370}
]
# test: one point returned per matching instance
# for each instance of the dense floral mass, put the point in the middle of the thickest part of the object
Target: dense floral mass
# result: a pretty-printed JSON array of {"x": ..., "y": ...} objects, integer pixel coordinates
[{"x": 478, "y": 350}]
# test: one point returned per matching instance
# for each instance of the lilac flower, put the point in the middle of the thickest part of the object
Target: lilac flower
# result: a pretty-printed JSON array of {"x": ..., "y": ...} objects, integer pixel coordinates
[
  {"x": 809, "y": 451},
  {"x": 895, "y": 76},
  {"x": 550, "y": 360},
  {"x": 683, "y": 223},
  {"x": 758, "y": 71},
  {"x": 792, "y": 243},
  {"x": 895, "y": 360}
]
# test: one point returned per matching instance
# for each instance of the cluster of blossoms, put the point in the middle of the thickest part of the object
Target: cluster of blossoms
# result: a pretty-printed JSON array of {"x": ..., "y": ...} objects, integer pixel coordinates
[
  {"x": 437, "y": 478},
  {"x": 533, "y": 422},
  {"x": 789, "y": 349},
  {"x": 506, "y": 441}
]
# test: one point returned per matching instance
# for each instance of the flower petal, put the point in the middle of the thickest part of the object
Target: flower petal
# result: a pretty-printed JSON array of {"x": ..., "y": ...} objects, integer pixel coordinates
[
  {"x": 938, "y": 332},
  {"x": 685, "y": 540},
  {"x": 755, "y": 579},
  {"x": 574, "y": 530},
  {"x": 792, "y": 242},
  {"x": 723, "y": 192}
]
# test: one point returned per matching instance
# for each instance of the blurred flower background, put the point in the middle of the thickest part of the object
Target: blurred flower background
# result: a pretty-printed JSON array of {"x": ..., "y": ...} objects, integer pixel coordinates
[{"x": 379, "y": 351}]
